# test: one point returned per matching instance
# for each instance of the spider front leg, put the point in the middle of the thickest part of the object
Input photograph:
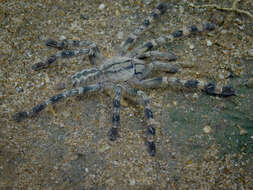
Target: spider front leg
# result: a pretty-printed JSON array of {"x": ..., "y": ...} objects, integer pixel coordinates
[
  {"x": 154, "y": 15},
  {"x": 113, "y": 133},
  {"x": 154, "y": 43},
  {"x": 166, "y": 67},
  {"x": 94, "y": 55},
  {"x": 92, "y": 51},
  {"x": 168, "y": 56}
]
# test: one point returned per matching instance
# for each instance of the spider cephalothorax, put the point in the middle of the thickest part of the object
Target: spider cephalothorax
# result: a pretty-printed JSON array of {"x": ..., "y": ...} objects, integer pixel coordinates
[{"x": 126, "y": 73}]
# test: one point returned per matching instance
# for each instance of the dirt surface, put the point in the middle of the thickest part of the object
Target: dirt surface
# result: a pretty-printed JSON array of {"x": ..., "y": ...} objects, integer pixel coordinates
[{"x": 203, "y": 142}]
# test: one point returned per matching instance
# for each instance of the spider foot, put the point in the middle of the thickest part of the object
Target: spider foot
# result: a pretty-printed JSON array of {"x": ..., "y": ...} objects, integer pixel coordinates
[
  {"x": 224, "y": 91},
  {"x": 52, "y": 43},
  {"x": 42, "y": 65},
  {"x": 113, "y": 134},
  {"x": 151, "y": 148},
  {"x": 20, "y": 116},
  {"x": 227, "y": 91}
]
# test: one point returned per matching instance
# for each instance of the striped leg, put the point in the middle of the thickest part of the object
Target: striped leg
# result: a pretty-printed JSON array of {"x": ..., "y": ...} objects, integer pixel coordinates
[
  {"x": 154, "y": 15},
  {"x": 150, "y": 140},
  {"x": 168, "y": 56},
  {"x": 147, "y": 46},
  {"x": 85, "y": 76},
  {"x": 65, "y": 44},
  {"x": 54, "y": 99},
  {"x": 91, "y": 50},
  {"x": 63, "y": 55},
  {"x": 113, "y": 133},
  {"x": 207, "y": 87},
  {"x": 150, "y": 123},
  {"x": 166, "y": 67}
]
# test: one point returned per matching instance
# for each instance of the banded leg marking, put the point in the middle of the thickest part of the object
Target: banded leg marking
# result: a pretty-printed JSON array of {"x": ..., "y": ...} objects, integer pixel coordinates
[
  {"x": 168, "y": 56},
  {"x": 63, "y": 55},
  {"x": 95, "y": 55},
  {"x": 54, "y": 99},
  {"x": 113, "y": 133},
  {"x": 150, "y": 123},
  {"x": 154, "y": 15},
  {"x": 192, "y": 30},
  {"x": 65, "y": 44},
  {"x": 85, "y": 76},
  {"x": 167, "y": 67},
  {"x": 207, "y": 87}
]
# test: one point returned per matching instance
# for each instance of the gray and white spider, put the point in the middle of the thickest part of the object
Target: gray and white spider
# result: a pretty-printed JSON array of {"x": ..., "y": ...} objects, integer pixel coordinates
[{"x": 126, "y": 74}]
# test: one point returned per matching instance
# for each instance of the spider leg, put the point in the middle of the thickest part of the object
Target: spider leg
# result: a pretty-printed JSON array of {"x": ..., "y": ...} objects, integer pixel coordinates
[
  {"x": 150, "y": 123},
  {"x": 113, "y": 133},
  {"x": 154, "y": 15},
  {"x": 168, "y": 56},
  {"x": 150, "y": 140},
  {"x": 162, "y": 66},
  {"x": 192, "y": 30},
  {"x": 54, "y": 99},
  {"x": 92, "y": 51},
  {"x": 85, "y": 76},
  {"x": 207, "y": 87},
  {"x": 61, "y": 55},
  {"x": 66, "y": 44}
]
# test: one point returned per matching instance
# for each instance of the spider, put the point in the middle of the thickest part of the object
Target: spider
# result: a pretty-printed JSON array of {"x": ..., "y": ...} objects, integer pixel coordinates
[{"x": 126, "y": 73}]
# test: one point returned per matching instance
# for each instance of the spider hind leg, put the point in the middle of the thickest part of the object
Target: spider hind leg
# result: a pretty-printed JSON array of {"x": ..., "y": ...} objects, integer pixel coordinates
[{"x": 113, "y": 133}]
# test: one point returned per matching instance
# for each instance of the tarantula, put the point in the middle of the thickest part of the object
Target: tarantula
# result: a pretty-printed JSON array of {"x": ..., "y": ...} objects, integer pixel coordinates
[{"x": 126, "y": 73}]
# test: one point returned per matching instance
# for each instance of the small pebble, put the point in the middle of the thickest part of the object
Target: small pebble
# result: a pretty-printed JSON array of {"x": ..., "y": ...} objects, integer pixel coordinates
[
  {"x": 192, "y": 46},
  {"x": 132, "y": 182},
  {"x": 207, "y": 129},
  {"x": 120, "y": 35},
  {"x": 117, "y": 13},
  {"x": 209, "y": 43},
  {"x": 195, "y": 96},
  {"x": 84, "y": 17},
  {"x": 104, "y": 148},
  {"x": 62, "y": 37},
  {"x": 243, "y": 132},
  {"x": 249, "y": 83},
  {"x": 19, "y": 89},
  {"x": 101, "y": 6},
  {"x": 250, "y": 52},
  {"x": 41, "y": 85},
  {"x": 224, "y": 31}
]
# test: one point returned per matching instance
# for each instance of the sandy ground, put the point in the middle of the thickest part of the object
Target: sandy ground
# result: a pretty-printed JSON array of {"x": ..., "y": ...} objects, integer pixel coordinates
[{"x": 203, "y": 142}]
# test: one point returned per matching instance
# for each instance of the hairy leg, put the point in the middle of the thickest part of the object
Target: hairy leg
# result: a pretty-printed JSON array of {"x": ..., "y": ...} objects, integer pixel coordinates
[
  {"x": 54, "y": 99},
  {"x": 168, "y": 56},
  {"x": 94, "y": 55},
  {"x": 154, "y": 15},
  {"x": 207, "y": 87},
  {"x": 90, "y": 49},
  {"x": 113, "y": 133},
  {"x": 85, "y": 76},
  {"x": 150, "y": 140},
  {"x": 163, "y": 66},
  {"x": 192, "y": 30},
  {"x": 150, "y": 123},
  {"x": 61, "y": 55}
]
